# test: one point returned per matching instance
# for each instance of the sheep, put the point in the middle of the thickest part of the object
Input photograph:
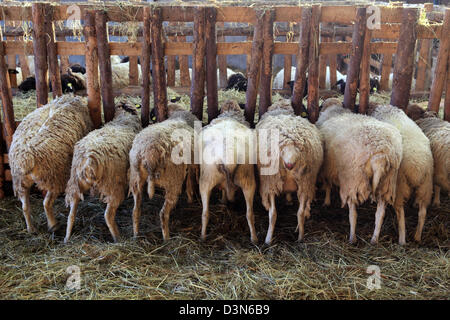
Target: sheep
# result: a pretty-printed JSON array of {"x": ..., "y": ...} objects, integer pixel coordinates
[
  {"x": 300, "y": 158},
  {"x": 279, "y": 78},
  {"x": 416, "y": 169},
  {"x": 42, "y": 148},
  {"x": 120, "y": 74},
  {"x": 374, "y": 84},
  {"x": 152, "y": 160},
  {"x": 70, "y": 82},
  {"x": 227, "y": 161},
  {"x": 100, "y": 163},
  {"x": 178, "y": 81},
  {"x": 362, "y": 157},
  {"x": 76, "y": 67},
  {"x": 237, "y": 82},
  {"x": 438, "y": 132}
]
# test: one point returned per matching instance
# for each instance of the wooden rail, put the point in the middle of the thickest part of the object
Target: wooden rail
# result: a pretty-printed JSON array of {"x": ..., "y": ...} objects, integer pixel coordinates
[{"x": 155, "y": 42}]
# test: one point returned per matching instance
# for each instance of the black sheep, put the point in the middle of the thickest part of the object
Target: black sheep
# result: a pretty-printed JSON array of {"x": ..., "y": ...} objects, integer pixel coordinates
[
  {"x": 127, "y": 59},
  {"x": 291, "y": 85},
  {"x": 28, "y": 84},
  {"x": 76, "y": 67},
  {"x": 153, "y": 112},
  {"x": 374, "y": 85},
  {"x": 13, "y": 71},
  {"x": 237, "y": 82}
]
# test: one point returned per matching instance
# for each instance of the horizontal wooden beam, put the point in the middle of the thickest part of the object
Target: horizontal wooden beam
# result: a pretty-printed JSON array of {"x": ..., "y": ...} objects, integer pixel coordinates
[{"x": 344, "y": 14}]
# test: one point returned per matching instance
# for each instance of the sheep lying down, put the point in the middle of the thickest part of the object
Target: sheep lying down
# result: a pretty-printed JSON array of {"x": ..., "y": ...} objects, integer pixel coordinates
[
  {"x": 362, "y": 157},
  {"x": 161, "y": 156},
  {"x": 226, "y": 161},
  {"x": 42, "y": 148},
  {"x": 100, "y": 164},
  {"x": 300, "y": 156}
]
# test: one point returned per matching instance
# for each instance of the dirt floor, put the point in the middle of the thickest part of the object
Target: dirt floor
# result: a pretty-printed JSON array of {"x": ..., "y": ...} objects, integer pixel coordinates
[{"x": 227, "y": 265}]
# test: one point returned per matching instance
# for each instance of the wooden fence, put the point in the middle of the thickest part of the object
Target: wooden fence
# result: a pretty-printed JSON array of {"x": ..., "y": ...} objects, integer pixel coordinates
[{"x": 317, "y": 42}]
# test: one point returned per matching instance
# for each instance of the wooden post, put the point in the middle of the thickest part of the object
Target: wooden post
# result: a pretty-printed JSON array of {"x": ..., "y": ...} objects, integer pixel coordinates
[
  {"x": 287, "y": 68},
  {"x": 146, "y": 56},
  {"x": 222, "y": 61},
  {"x": 302, "y": 61},
  {"x": 171, "y": 63},
  {"x": 6, "y": 96},
  {"x": 40, "y": 53},
  {"x": 93, "y": 88},
  {"x": 447, "y": 93},
  {"x": 385, "y": 71},
  {"x": 248, "y": 58},
  {"x": 185, "y": 77},
  {"x": 265, "y": 89},
  {"x": 424, "y": 57},
  {"x": 198, "y": 63},
  {"x": 104, "y": 61},
  {"x": 441, "y": 65},
  {"x": 158, "y": 70},
  {"x": 52, "y": 55},
  {"x": 252, "y": 77},
  {"x": 211, "y": 65},
  {"x": 359, "y": 31},
  {"x": 323, "y": 68},
  {"x": 24, "y": 66},
  {"x": 313, "y": 75},
  {"x": 404, "y": 59},
  {"x": 364, "y": 83},
  {"x": 2, "y": 165}
]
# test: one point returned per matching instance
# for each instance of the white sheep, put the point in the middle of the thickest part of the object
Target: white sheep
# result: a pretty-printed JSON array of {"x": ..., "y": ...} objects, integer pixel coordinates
[
  {"x": 227, "y": 151},
  {"x": 100, "y": 163},
  {"x": 178, "y": 81},
  {"x": 278, "y": 82},
  {"x": 362, "y": 157},
  {"x": 416, "y": 170},
  {"x": 42, "y": 148},
  {"x": 300, "y": 158},
  {"x": 438, "y": 132},
  {"x": 152, "y": 160}
]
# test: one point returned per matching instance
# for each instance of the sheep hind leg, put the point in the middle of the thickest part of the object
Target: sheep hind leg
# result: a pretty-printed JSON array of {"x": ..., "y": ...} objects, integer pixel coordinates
[
  {"x": 400, "y": 212},
  {"x": 49, "y": 200},
  {"x": 26, "y": 208},
  {"x": 205, "y": 193},
  {"x": 249, "y": 193},
  {"x": 71, "y": 218},
  {"x": 352, "y": 215},
  {"x": 272, "y": 219},
  {"x": 110, "y": 215},
  {"x": 301, "y": 218},
  {"x": 137, "y": 196},
  {"x": 379, "y": 216},
  {"x": 164, "y": 216},
  {"x": 421, "y": 222},
  {"x": 327, "y": 200},
  {"x": 437, "y": 196}
]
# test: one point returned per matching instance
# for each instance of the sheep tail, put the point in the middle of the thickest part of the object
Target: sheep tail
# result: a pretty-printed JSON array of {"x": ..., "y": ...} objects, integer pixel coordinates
[
  {"x": 380, "y": 166},
  {"x": 89, "y": 170},
  {"x": 229, "y": 174},
  {"x": 150, "y": 187}
]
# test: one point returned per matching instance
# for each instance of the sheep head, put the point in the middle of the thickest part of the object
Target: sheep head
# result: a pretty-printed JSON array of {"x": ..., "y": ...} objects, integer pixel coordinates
[{"x": 330, "y": 102}]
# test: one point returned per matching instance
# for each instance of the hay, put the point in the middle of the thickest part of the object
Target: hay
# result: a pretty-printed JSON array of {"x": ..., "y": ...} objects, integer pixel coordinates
[{"x": 227, "y": 265}]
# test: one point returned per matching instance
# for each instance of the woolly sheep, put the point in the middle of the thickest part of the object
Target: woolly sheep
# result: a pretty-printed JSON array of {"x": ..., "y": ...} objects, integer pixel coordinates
[
  {"x": 100, "y": 162},
  {"x": 42, "y": 148},
  {"x": 438, "y": 132},
  {"x": 278, "y": 82},
  {"x": 300, "y": 158},
  {"x": 362, "y": 157},
  {"x": 229, "y": 135},
  {"x": 151, "y": 160},
  {"x": 416, "y": 169}
]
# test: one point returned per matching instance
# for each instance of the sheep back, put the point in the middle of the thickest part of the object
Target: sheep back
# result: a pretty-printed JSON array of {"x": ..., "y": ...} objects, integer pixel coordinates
[{"x": 43, "y": 143}]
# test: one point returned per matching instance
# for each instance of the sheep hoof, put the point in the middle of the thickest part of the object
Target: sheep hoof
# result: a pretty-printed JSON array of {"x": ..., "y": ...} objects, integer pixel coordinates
[
  {"x": 255, "y": 241},
  {"x": 417, "y": 237},
  {"x": 402, "y": 242},
  {"x": 54, "y": 228},
  {"x": 32, "y": 229},
  {"x": 436, "y": 204},
  {"x": 374, "y": 241},
  {"x": 352, "y": 240},
  {"x": 66, "y": 240}
]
